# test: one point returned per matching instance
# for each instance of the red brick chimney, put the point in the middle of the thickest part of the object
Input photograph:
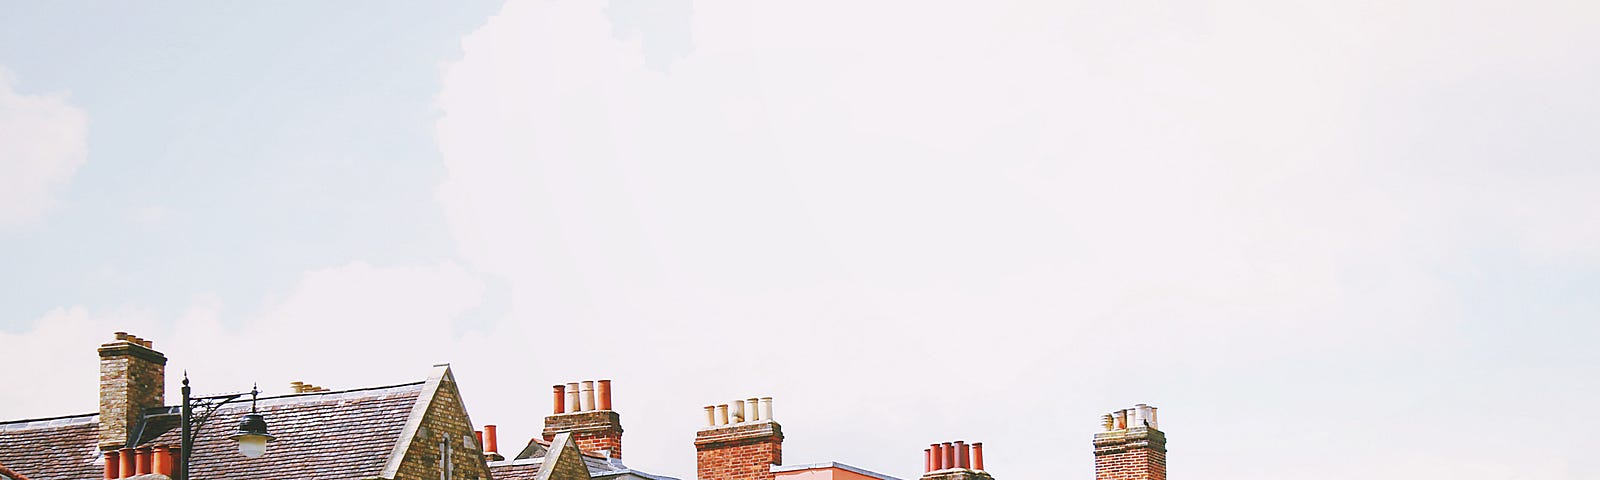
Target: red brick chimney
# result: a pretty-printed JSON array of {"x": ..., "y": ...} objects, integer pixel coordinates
[
  {"x": 591, "y": 421},
  {"x": 132, "y": 379},
  {"x": 1130, "y": 448},
  {"x": 739, "y": 442}
]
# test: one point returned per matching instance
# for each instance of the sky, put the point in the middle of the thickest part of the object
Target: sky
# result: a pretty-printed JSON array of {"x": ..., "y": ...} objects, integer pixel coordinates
[{"x": 1326, "y": 239}]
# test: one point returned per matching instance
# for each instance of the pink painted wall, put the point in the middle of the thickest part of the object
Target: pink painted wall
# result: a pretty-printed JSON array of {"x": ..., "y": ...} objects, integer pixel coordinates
[{"x": 827, "y": 473}]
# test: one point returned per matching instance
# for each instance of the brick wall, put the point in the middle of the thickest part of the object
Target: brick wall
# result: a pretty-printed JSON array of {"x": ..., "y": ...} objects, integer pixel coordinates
[
  {"x": 1130, "y": 454},
  {"x": 744, "y": 451},
  {"x": 132, "y": 379},
  {"x": 593, "y": 430},
  {"x": 445, "y": 422}
]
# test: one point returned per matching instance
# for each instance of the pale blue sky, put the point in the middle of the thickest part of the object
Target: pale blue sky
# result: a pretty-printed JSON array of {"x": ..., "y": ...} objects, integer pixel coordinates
[{"x": 1327, "y": 240}]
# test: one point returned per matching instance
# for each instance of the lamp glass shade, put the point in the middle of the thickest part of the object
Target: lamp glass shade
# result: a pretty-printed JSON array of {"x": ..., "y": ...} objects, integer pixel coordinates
[{"x": 252, "y": 445}]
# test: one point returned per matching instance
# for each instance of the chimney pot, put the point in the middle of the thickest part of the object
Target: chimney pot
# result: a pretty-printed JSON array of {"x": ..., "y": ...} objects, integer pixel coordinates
[
  {"x": 173, "y": 454},
  {"x": 961, "y": 454},
  {"x": 927, "y": 460},
  {"x": 766, "y": 408},
  {"x": 603, "y": 388},
  {"x": 949, "y": 455},
  {"x": 142, "y": 460},
  {"x": 128, "y": 464},
  {"x": 752, "y": 409},
  {"x": 572, "y": 398},
  {"x": 711, "y": 415},
  {"x": 588, "y": 395},
  {"x": 722, "y": 414},
  {"x": 161, "y": 460},
  {"x": 977, "y": 456},
  {"x": 478, "y": 434},
  {"x": 113, "y": 464},
  {"x": 559, "y": 399},
  {"x": 489, "y": 433}
]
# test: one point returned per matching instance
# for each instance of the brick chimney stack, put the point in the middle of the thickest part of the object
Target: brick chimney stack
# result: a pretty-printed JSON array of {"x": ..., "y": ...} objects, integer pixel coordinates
[
  {"x": 1130, "y": 447},
  {"x": 586, "y": 412},
  {"x": 739, "y": 442},
  {"x": 132, "y": 379}
]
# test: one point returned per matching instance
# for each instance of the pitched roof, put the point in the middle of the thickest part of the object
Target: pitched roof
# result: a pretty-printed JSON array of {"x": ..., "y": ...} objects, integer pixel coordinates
[
  {"x": 53, "y": 448},
  {"x": 532, "y": 458},
  {"x": 341, "y": 434}
]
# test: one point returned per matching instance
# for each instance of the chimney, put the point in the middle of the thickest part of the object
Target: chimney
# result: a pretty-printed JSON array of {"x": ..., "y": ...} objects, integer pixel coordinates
[
  {"x": 594, "y": 429},
  {"x": 1130, "y": 447},
  {"x": 739, "y": 447},
  {"x": 132, "y": 379},
  {"x": 954, "y": 461},
  {"x": 490, "y": 439}
]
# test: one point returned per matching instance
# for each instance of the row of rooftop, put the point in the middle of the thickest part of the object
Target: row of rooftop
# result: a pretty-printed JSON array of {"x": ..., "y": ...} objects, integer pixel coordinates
[{"x": 422, "y": 431}]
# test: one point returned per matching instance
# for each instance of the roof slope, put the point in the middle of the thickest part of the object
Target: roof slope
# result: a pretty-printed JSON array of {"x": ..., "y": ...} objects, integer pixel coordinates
[
  {"x": 49, "y": 449},
  {"x": 528, "y": 464},
  {"x": 324, "y": 435},
  {"x": 7, "y": 474}
]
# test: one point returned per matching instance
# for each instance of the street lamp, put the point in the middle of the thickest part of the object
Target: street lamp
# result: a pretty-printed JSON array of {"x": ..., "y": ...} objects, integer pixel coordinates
[{"x": 252, "y": 435}]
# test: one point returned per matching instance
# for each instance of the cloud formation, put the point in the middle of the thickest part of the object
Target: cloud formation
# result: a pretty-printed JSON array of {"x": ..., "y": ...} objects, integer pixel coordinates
[
  {"x": 1051, "y": 207},
  {"x": 43, "y": 141}
]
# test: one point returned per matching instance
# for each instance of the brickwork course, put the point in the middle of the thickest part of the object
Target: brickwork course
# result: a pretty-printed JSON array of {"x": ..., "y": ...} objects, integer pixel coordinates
[
  {"x": 443, "y": 430},
  {"x": 1130, "y": 454},
  {"x": 592, "y": 430},
  {"x": 739, "y": 451}
]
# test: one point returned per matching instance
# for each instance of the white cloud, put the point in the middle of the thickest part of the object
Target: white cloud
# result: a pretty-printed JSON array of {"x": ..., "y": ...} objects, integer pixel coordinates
[
  {"x": 843, "y": 203},
  {"x": 354, "y": 325},
  {"x": 43, "y": 141}
]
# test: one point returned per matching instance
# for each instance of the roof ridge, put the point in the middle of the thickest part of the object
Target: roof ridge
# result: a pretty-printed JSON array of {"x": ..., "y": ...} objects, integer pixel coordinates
[
  {"x": 46, "y": 419},
  {"x": 348, "y": 390}
]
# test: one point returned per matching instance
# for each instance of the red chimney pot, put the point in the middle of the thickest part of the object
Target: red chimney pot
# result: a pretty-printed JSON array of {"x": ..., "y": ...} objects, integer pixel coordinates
[
  {"x": 560, "y": 397},
  {"x": 604, "y": 391},
  {"x": 128, "y": 465},
  {"x": 977, "y": 455},
  {"x": 113, "y": 465},
  {"x": 489, "y": 434},
  {"x": 161, "y": 461},
  {"x": 142, "y": 461}
]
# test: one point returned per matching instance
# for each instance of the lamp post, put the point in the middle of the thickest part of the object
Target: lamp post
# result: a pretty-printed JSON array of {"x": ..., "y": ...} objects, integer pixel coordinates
[{"x": 252, "y": 435}]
